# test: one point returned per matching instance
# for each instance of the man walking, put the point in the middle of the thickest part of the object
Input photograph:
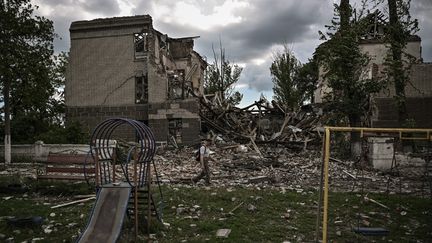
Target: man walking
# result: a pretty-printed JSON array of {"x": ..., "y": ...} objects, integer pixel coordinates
[{"x": 204, "y": 157}]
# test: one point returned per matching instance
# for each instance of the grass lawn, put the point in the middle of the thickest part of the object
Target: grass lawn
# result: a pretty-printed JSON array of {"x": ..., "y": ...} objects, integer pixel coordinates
[{"x": 196, "y": 213}]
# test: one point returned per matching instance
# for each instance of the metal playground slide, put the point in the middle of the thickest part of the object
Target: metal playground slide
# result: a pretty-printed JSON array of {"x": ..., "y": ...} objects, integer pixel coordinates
[
  {"x": 108, "y": 214},
  {"x": 114, "y": 187}
]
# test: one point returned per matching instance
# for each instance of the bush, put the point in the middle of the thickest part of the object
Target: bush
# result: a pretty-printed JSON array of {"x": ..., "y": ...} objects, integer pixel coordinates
[{"x": 72, "y": 133}]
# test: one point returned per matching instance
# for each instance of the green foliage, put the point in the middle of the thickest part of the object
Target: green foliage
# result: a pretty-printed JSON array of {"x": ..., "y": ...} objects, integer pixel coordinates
[
  {"x": 71, "y": 133},
  {"x": 345, "y": 67},
  {"x": 25, "y": 60},
  {"x": 27, "y": 130},
  {"x": 284, "y": 69},
  {"x": 294, "y": 83},
  {"x": 29, "y": 71},
  {"x": 221, "y": 76},
  {"x": 307, "y": 79},
  {"x": 398, "y": 62}
]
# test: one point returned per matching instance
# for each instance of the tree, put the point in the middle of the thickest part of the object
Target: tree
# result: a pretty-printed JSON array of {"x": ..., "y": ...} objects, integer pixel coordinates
[
  {"x": 307, "y": 80},
  {"x": 221, "y": 76},
  {"x": 284, "y": 70},
  {"x": 25, "y": 59},
  {"x": 294, "y": 82},
  {"x": 400, "y": 27},
  {"x": 345, "y": 68},
  {"x": 35, "y": 118}
]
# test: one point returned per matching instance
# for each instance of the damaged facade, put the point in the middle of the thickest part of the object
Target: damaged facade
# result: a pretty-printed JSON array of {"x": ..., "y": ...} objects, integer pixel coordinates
[
  {"x": 418, "y": 91},
  {"x": 123, "y": 67}
]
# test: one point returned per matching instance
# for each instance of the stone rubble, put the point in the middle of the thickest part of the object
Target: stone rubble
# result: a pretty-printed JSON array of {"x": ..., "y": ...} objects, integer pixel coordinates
[
  {"x": 285, "y": 169},
  {"x": 276, "y": 166}
]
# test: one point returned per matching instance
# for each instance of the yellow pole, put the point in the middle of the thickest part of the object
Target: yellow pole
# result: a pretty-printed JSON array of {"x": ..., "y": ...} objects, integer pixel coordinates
[
  {"x": 384, "y": 130},
  {"x": 326, "y": 182}
]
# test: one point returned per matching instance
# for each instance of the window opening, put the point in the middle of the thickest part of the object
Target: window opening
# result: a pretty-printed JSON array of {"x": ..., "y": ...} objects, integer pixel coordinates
[
  {"x": 141, "y": 89},
  {"x": 175, "y": 129}
]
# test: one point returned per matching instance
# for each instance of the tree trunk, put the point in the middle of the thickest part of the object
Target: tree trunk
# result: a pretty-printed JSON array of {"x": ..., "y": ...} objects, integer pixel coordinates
[
  {"x": 7, "y": 129},
  {"x": 397, "y": 44},
  {"x": 355, "y": 143},
  {"x": 345, "y": 14}
]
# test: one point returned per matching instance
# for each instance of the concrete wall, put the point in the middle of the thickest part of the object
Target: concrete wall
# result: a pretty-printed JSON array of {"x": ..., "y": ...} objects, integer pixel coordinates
[
  {"x": 323, "y": 88},
  {"x": 381, "y": 151},
  {"x": 103, "y": 67},
  {"x": 39, "y": 151},
  {"x": 158, "y": 84},
  {"x": 420, "y": 83},
  {"x": 377, "y": 51}
]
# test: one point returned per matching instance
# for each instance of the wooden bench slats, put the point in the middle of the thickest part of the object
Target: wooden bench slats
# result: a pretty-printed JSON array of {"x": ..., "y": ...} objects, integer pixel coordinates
[
  {"x": 68, "y": 167},
  {"x": 69, "y": 159},
  {"x": 61, "y": 177},
  {"x": 69, "y": 170}
]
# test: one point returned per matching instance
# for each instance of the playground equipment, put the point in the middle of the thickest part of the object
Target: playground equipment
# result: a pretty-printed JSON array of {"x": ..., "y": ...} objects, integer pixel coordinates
[
  {"x": 401, "y": 134},
  {"x": 123, "y": 183}
]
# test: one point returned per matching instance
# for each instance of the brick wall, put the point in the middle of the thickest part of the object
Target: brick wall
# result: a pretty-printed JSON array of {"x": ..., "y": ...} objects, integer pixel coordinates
[
  {"x": 160, "y": 129},
  {"x": 418, "y": 108},
  {"x": 191, "y": 131},
  {"x": 156, "y": 114},
  {"x": 90, "y": 117},
  {"x": 186, "y": 110},
  {"x": 100, "y": 82}
]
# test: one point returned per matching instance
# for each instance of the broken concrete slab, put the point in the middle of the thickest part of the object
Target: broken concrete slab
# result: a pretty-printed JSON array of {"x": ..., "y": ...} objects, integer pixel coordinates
[{"x": 223, "y": 233}]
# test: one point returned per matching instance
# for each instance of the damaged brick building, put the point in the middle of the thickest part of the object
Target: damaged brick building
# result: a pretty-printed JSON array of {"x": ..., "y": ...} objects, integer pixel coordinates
[
  {"x": 418, "y": 91},
  {"x": 123, "y": 67}
]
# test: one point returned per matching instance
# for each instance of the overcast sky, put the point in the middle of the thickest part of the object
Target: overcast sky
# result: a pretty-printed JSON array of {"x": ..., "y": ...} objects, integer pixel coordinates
[{"x": 250, "y": 30}]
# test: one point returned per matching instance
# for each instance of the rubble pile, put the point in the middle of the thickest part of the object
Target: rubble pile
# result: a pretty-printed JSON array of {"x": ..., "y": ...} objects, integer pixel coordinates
[
  {"x": 241, "y": 165},
  {"x": 261, "y": 122}
]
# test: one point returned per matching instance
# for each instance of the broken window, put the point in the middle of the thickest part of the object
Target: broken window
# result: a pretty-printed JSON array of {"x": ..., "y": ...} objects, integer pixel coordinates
[
  {"x": 141, "y": 89},
  {"x": 175, "y": 129},
  {"x": 176, "y": 85},
  {"x": 141, "y": 44}
]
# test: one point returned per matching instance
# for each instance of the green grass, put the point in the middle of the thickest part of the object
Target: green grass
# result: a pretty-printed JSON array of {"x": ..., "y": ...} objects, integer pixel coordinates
[
  {"x": 278, "y": 216},
  {"x": 28, "y": 198},
  {"x": 267, "y": 223}
]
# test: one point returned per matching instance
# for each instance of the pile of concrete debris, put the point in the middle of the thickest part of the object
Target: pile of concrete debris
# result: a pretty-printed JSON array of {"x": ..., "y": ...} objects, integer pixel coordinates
[
  {"x": 262, "y": 122},
  {"x": 241, "y": 165}
]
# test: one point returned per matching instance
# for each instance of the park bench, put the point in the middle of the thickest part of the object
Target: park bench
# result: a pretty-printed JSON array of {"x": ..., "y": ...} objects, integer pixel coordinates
[{"x": 67, "y": 167}]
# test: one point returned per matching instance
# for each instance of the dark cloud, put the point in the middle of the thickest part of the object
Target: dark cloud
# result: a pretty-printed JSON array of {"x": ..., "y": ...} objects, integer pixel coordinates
[
  {"x": 206, "y": 6},
  {"x": 262, "y": 26},
  {"x": 54, "y": 3},
  {"x": 274, "y": 22},
  {"x": 64, "y": 12},
  {"x": 106, "y": 7}
]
